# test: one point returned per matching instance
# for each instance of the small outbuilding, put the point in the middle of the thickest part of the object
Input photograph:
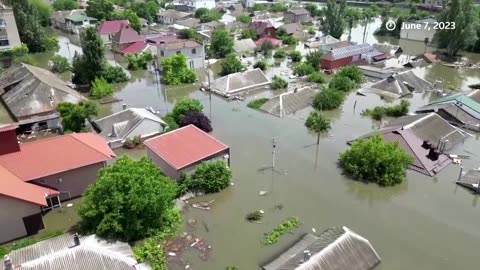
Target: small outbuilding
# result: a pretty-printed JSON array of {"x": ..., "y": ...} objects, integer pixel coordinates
[
  {"x": 337, "y": 248},
  {"x": 399, "y": 85},
  {"x": 180, "y": 151},
  {"x": 240, "y": 82},
  {"x": 340, "y": 57}
]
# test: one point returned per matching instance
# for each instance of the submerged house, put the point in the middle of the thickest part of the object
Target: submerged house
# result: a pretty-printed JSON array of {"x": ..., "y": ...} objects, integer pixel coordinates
[
  {"x": 244, "y": 45},
  {"x": 240, "y": 82},
  {"x": 38, "y": 175},
  {"x": 471, "y": 181},
  {"x": 425, "y": 137},
  {"x": 180, "y": 151},
  {"x": 340, "y": 57},
  {"x": 108, "y": 29},
  {"x": 289, "y": 102},
  {"x": 399, "y": 85},
  {"x": 126, "y": 37},
  {"x": 458, "y": 109},
  {"x": 128, "y": 123},
  {"x": 31, "y": 94},
  {"x": 337, "y": 248},
  {"x": 68, "y": 252}
]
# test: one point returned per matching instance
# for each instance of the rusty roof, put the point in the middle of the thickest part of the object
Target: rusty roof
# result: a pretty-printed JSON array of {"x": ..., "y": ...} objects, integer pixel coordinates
[
  {"x": 182, "y": 43},
  {"x": 56, "y": 154},
  {"x": 127, "y": 35},
  {"x": 185, "y": 146}
]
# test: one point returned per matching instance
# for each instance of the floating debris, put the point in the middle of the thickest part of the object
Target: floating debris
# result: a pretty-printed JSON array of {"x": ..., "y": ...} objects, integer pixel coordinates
[
  {"x": 263, "y": 193},
  {"x": 254, "y": 216},
  {"x": 203, "y": 205}
]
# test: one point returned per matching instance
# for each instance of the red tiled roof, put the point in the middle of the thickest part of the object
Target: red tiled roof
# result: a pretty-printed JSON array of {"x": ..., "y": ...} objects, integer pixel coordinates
[
  {"x": 57, "y": 154},
  {"x": 127, "y": 35},
  {"x": 136, "y": 47},
  {"x": 275, "y": 42},
  {"x": 184, "y": 146},
  {"x": 14, "y": 187},
  {"x": 111, "y": 27},
  {"x": 7, "y": 127}
]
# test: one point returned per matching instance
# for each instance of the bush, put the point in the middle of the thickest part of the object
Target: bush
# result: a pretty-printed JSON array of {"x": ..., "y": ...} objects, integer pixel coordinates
[
  {"x": 259, "y": 7},
  {"x": 114, "y": 74},
  {"x": 266, "y": 48},
  {"x": 196, "y": 118},
  {"x": 278, "y": 83},
  {"x": 289, "y": 40},
  {"x": 261, "y": 64},
  {"x": 379, "y": 112},
  {"x": 133, "y": 142},
  {"x": 317, "y": 122},
  {"x": 210, "y": 177},
  {"x": 328, "y": 99},
  {"x": 351, "y": 72},
  {"x": 257, "y": 103},
  {"x": 303, "y": 69},
  {"x": 151, "y": 252},
  {"x": 254, "y": 216},
  {"x": 100, "y": 88},
  {"x": 172, "y": 125},
  {"x": 176, "y": 71},
  {"x": 51, "y": 43},
  {"x": 288, "y": 225},
  {"x": 314, "y": 59},
  {"x": 316, "y": 77},
  {"x": 184, "y": 106},
  {"x": 248, "y": 33},
  {"x": 341, "y": 83},
  {"x": 280, "y": 54},
  {"x": 244, "y": 18},
  {"x": 60, "y": 64},
  {"x": 139, "y": 61},
  {"x": 231, "y": 64},
  {"x": 296, "y": 56},
  {"x": 375, "y": 160}
]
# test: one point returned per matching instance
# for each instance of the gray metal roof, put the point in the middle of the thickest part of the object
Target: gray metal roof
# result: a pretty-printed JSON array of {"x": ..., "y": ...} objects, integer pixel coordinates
[
  {"x": 60, "y": 253},
  {"x": 30, "y": 91},
  {"x": 343, "y": 52},
  {"x": 337, "y": 248},
  {"x": 240, "y": 82},
  {"x": 402, "y": 84},
  {"x": 243, "y": 45},
  {"x": 290, "y": 102},
  {"x": 122, "y": 124}
]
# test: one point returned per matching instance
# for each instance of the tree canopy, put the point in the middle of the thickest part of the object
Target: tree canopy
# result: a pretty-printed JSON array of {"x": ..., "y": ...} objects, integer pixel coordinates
[
  {"x": 244, "y": 18},
  {"x": 176, "y": 71},
  {"x": 248, "y": 33},
  {"x": 100, "y": 9},
  {"x": 74, "y": 115},
  {"x": 128, "y": 14},
  {"x": 334, "y": 22},
  {"x": 375, "y": 160},
  {"x": 341, "y": 83},
  {"x": 328, "y": 99},
  {"x": 462, "y": 14},
  {"x": 231, "y": 64},
  {"x": 91, "y": 63},
  {"x": 28, "y": 20},
  {"x": 183, "y": 106},
  {"x": 314, "y": 59},
  {"x": 130, "y": 200},
  {"x": 197, "y": 119},
  {"x": 221, "y": 44},
  {"x": 352, "y": 72},
  {"x": 210, "y": 177},
  {"x": 317, "y": 122},
  {"x": 65, "y": 4}
]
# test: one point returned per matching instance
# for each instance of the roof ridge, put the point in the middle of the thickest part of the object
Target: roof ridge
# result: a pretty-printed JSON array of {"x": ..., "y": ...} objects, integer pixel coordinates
[{"x": 84, "y": 143}]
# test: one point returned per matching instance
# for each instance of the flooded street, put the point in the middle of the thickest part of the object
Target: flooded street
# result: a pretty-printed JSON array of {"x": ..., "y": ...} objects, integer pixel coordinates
[{"x": 424, "y": 223}]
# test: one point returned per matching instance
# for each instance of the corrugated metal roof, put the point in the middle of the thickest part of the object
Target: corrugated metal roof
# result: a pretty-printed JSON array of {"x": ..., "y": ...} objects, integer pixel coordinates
[
  {"x": 60, "y": 253},
  {"x": 240, "y": 82},
  {"x": 344, "y": 52},
  {"x": 336, "y": 248}
]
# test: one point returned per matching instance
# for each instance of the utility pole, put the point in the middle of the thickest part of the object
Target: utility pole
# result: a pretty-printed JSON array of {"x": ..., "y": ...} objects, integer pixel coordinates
[
  {"x": 210, "y": 90},
  {"x": 274, "y": 145},
  {"x": 68, "y": 48}
]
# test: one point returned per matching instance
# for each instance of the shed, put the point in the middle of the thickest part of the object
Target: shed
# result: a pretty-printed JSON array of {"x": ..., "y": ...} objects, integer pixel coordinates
[
  {"x": 118, "y": 127},
  {"x": 336, "y": 248},
  {"x": 240, "y": 82},
  {"x": 181, "y": 150}
]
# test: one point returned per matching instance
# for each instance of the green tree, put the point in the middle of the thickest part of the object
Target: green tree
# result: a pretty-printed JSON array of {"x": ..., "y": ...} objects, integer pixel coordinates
[
  {"x": 74, "y": 115},
  {"x": 261, "y": 64},
  {"x": 352, "y": 72},
  {"x": 334, "y": 22},
  {"x": 314, "y": 59},
  {"x": 278, "y": 7},
  {"x": 210, "y": 16},
  {"x": 130, "y": 200},
  {"x": 147, "y": 9},
  {"x": 29, "y": 25},
  {"x": 341, "y": 83},
  {"x": 248, "y": 33},
  {"x": 231, "y": 64},
  {"x": 88, "y": 66},
  {"x": 296, "y": 56},
  {"x": 353, "y": 17},
  {"x": 100, "y": 9},
  {"x": 128, "y": 14},
  {"x": 65, "y": 5},
  {"x": 316, "y": 77},
  {"x": 317, "y": 122},
  {"x": 303, "y": 69},
  {"x": 375, "y": 160},
  {"x": 139, "y": 60},
  {"x": 199, "y": 12},
  {"x": 259, "y": 7},
  {"x": 280, "y": 54},
  {"x": 244, "y": 18},
  {"x": 312, "y": 8},
  {"x": 184, "y": 106},
  {"x": 44, "y": 11},
  {"x": 328, "y": 99},
  {"x": 278, "y": 83},
  {"x": 461, "y": 14},
  {"x": 101, "y": 88},
  {"x": 210, "y": 177},
  {"x": 60, "y": 64},
  {"x": 221, "y": 44},
  {"x": 114, "y": 74},
  {"x": 176, "y": 71},
  {"x": 289, "y": 40}
]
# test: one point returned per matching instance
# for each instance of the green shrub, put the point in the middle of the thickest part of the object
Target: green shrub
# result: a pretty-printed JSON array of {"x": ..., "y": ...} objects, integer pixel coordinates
[
  {"x": 317, "y": 122},
  {"x": 280, "y": 54},
  {"x": 184, "y": 106},
  {"x": 296, "y": 56},
  {"x": 288, "y": 225},
  {"x": 328, "y": 99},
  {"x": 303, "y": 69},
  {"x": 170, "y": 121},
  {"x": 261, "y": 64},
  {"x": 340, "y": 83},
  {"x": 378, "y": 112},
  {"x": 51, "y": 43},
  {"x": 316, "y": 77},
  {"x": 289, "y": 40},
  {"x": 210, "y": 177},
  {"x": 231, "y": 64},
  {"x": 278, "y": 83},
  {"x": 60, "y": 64},
  {"x": 244, "y": 18},
  {"x": 101, "y": 88},
  {"x": 314, "y": 58},
  {"x": 152, "y": 252},
  {"x": 375, "y": 160},
  {"x": 139, "y": 61},
  {"x": 257, "y": 103},
  {"x": 351, "y": 72},
  {"x": 248, "y": 33},
  {"x": 114, "y": 74}
]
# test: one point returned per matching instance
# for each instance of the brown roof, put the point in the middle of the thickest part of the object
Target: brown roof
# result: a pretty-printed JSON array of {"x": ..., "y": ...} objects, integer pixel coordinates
[
  {"x": 298, "y": 11},
  {"x": 291, "y": 27},
  {"x": 261, "y": 26},
  {"x": 182, "y": 43},
  {"x": 127, "y": 35},
  {"x": 57, "y": 154},
  {"x": 185, "y": 146},
  {"x": 111, "y": 27}
]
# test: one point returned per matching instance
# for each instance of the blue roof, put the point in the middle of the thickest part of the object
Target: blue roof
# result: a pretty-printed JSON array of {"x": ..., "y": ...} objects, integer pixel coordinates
[{"x": 460, "y": 98}]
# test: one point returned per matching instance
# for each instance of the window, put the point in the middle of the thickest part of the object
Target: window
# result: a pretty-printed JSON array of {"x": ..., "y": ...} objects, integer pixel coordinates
[
  {"x": 194, "y": 51},
  {"x": 4, "y": 42},
  {"x": 191, "y": 64},
  {"x": 162, "y": 53}
]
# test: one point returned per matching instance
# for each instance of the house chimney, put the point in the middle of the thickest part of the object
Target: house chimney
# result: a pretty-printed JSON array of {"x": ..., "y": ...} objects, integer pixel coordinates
[
  {"x": 306, "y": 255},
  {"x": 76, "y": 239},
  {"x": 433, "y": 154},
  {"x": 7, "y": 263},
  {"x": 426, "y": 144},
  {"x": 8, "y": 140},
  {"x": 124, "y": 106}
]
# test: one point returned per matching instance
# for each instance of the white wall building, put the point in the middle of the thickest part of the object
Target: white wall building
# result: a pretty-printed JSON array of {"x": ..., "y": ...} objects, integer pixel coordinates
[
  {"x": 193, "y": 50},
  {"x": 194, "y": 4}
]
